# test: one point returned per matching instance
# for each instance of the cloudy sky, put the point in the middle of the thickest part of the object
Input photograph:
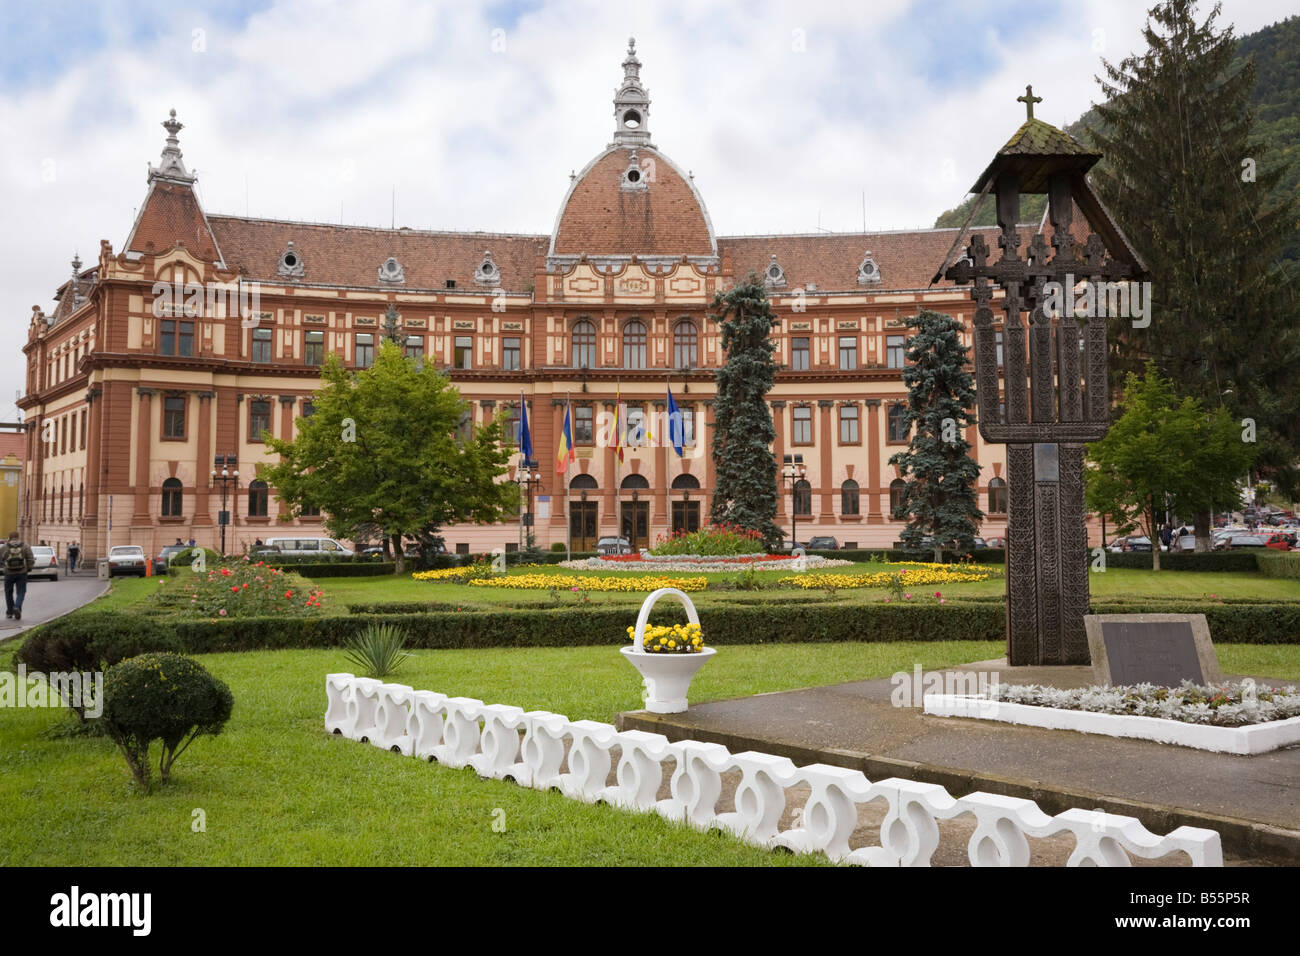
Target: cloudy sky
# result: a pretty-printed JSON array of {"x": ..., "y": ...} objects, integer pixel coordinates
[{"x": 794, "y": 116}]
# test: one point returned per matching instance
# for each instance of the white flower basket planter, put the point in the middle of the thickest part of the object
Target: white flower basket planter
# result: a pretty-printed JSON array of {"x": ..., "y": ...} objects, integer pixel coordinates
[{"x": 667, "y": 676}]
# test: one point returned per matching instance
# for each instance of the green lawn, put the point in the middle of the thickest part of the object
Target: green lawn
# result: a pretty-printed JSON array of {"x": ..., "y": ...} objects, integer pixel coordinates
[{"x": 277, "y": 790}]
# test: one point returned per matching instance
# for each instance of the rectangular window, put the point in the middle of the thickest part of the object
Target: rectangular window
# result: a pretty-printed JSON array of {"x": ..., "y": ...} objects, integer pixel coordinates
[
  {"x": 413, "y": 348},
  {"x": 510, "y": 352},
  {"x": 584, "y": 432},
  {"x": 308, "y": 409},
  {"x": 166, "y": 337},
  {"x": 894, "y": 351},
  {"x": 802, "y": 433},
  {"x": 635, "y": 427},
  {"x": 184, "y": 339},
  {"x": 799, "y": 354},
  {"x": 262, "y": 345},
  {"x": 310, "y": 511},
  {"x": 849, "y": 425},
  {"x": 997, "y": 337},
  {"x": 313, "y": 347},
  {"x": 510, "y": 423},
  {"x": 688, "y": 426},
  {"x": 464, "y": 351},
  {"x": 174, "y": 418},
  {"x": 259, "y": 419},
  {"x": 365, "y": 349},
  {"x": 848, "y": 352}
]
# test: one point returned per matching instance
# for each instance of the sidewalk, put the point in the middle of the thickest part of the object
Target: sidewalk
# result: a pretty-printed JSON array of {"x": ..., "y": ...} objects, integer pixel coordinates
[{"x": 47, "y": 600}]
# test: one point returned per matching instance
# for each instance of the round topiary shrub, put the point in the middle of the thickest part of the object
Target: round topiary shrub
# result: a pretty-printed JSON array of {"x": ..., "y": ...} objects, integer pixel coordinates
[{"x": 164, "y": 697}]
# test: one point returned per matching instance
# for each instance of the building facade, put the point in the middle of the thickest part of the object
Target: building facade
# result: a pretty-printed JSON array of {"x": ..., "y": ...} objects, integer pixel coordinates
[{"x": 158, "y": 365}]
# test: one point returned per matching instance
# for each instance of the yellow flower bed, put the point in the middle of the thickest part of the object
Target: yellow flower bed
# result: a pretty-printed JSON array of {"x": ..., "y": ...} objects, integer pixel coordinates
[
  {"x": 922, "y": 575},
  {"x": 670, "y": 639},
  {"x": 446, "y": 574},
  {"x": 589, "y": 582}
]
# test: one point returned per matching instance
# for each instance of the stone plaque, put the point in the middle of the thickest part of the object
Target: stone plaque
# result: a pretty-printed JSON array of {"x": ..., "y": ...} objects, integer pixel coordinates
[
  {"x": 1047, "y": 462},
  {"x": 1160, "y": 649},
  {"x": 314, "y": 319},
  {"x": 464, "y": 325}
]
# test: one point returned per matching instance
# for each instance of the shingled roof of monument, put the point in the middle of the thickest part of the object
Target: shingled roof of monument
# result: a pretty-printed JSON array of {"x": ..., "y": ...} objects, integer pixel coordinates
[{"x": 1040, "y": 147}]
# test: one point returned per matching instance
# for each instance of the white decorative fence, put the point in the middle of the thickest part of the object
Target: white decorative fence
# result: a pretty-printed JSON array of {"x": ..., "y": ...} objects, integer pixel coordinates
[{"x": 548, "y": 751}]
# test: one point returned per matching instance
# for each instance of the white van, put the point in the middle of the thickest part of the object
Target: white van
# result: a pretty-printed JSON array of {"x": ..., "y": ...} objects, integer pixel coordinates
[{"x": 326, "y": 547}]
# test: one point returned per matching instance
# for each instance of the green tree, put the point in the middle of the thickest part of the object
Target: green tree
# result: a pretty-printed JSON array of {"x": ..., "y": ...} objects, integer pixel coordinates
[
  {"x": 1193, "y": 186},
  {"x": 745, "y": 485},
  {"x": 939, "y": 498},
  {"x": 386, "y": 446},
  {"x": 1165, "y": 454}
]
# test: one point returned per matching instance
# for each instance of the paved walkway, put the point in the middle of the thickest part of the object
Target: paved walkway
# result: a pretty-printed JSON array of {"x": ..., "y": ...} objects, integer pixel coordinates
[
  {"x": 1254, "y": 802},
  {"x": 47, "y": 600}
]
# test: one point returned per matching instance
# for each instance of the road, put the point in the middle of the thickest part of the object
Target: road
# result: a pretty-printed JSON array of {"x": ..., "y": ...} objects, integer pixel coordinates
[{"x": 48, "y": 599}]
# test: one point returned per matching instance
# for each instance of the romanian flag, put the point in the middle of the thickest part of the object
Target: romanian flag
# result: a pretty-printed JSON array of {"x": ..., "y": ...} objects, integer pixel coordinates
[
  {"x": 565, "y": 456},
  {"x": 618, "y": 426},
  {"x": 525, "y": 436}
]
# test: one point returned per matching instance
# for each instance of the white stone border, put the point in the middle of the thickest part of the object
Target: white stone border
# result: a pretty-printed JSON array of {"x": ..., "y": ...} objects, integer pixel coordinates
[
  {"x": 688, "y": 564},
  {"x": 1252, "y": 739},
  {"x": 506, "y": 743}
]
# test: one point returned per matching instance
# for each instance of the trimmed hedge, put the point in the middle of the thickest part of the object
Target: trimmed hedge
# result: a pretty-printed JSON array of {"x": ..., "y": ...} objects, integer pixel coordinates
[
  {"x": 1184, "y": 561},
  {"x": 340, "y": 569},
  {"x": 1279, "y": 564}
]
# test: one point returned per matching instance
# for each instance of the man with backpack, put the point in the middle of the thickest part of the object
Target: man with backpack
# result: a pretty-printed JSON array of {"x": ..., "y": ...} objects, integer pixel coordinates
[
  {"x": 74, "y": 552},
  {"x": 17, "y": 559}
]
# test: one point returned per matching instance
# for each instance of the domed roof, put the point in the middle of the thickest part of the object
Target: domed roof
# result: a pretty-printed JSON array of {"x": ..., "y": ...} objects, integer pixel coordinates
[{"x": 633, "y": 201}]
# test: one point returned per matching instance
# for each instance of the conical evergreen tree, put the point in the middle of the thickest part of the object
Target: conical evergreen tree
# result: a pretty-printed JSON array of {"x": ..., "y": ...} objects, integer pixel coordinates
[
  {"x": 1185, "y": 177},
  {"x": 744, "y": 491},
  {"x": 940, "y": 497}
]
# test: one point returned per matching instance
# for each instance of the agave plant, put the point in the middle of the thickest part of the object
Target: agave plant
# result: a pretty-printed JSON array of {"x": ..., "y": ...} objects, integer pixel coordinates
[{"x": 377, "y": 651}]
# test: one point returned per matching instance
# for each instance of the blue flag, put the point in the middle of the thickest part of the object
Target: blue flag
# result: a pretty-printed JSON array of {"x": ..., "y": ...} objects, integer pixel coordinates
[
  {"x": 674, "y": 424},
  {"x": 525, "y": 438}
]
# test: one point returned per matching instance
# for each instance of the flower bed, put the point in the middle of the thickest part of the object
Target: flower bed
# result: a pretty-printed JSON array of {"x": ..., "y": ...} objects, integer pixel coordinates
[
  {"x": 1227, "y": 718},
  {"x": 240, "y": 590},
  {"x": 723, "y": 539},
  {"x": 767, "y": 562},
  {"x": 921, "y": 575},
  {"x": 587, "y": 582}
]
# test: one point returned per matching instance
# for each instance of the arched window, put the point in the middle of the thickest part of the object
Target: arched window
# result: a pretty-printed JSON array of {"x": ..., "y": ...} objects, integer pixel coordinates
[
  {"x": 686, "y": 344},
  {"x": 634, "y": 344},
  {"x": 635, "y": 482},
  {"x": 172, "y": 497},
  {"x": 584, "y": 344},
  {"x": 896, "y": 489},
  {"x": 257, "y": 498},
  {"x": 898, "y": 423},
  {"x": 849, "y": 497},
  {"x": 997, "y": 496},
  {"x": 685, "y": 481},
  {"x": 802, "y": 497},
  {"x": 583, "y": 482}
]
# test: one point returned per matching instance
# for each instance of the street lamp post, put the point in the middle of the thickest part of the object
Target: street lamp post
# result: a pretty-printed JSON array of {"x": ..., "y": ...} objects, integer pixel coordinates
[
  {"x": 225, "y": 477},
  {"x": 793, "y": 472},
  {"x": 528, "y": 478},
  {"x": 686, "y": 510}
]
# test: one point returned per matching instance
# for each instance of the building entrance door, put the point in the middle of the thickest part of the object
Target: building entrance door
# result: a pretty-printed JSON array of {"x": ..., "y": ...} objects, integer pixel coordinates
[
  {"x": 636, "y": 523},
  {"x": 582, "y": 525},
  {"x": 686, "y": 516}
]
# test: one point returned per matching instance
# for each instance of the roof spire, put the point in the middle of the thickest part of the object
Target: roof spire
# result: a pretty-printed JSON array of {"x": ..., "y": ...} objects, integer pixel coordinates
[
  {"x": 172, "y": 166},
  {"x": 631, "y": 104}
]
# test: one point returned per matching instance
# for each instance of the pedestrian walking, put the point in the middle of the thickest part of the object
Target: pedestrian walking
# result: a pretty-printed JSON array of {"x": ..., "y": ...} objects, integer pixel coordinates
[
  {"x": 17, "y": 560},
  {"x": 74, "y": 554}
]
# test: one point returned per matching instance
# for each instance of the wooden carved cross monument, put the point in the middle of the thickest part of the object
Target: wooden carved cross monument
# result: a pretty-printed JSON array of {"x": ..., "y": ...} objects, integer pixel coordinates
[{"x": 1053, "y": 373}]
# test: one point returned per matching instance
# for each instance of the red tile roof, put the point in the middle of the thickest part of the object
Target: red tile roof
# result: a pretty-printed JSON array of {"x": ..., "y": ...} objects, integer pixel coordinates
[
  {"x": 600, "y": 217},
  {"x": 171, "y": 213}
]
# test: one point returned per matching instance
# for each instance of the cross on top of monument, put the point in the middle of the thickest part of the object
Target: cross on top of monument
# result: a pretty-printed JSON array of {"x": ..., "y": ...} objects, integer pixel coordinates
[{"x": 1029, "y": 99}]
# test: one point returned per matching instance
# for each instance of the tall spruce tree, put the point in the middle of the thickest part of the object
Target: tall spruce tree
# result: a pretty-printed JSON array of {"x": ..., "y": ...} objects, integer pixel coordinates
[
  {"x": 939, "y": 498},
  {"x": 744, "y": 491},
  {"x": 1187, "y": 179}
]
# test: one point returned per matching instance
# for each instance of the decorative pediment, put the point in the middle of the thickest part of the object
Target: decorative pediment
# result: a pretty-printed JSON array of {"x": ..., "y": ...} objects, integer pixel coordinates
[
  {"x": 391, "y": 271},
  {"x": 487, "y": 272},
  {"x": 774, "y": 275},
  {"x": 868, "y": 270}
]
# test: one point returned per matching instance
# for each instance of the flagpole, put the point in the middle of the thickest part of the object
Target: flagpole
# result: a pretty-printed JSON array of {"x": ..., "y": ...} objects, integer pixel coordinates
[{"x": 568, "y": 503}]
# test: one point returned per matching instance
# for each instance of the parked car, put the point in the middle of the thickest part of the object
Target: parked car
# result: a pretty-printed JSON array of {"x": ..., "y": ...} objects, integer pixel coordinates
[
  {"x": 263, "y": 551},
  {"x": 126, "y": 559},
  {"x": 613, "y": 546},
  {"x": 1279, "y": 541},
  {"x": 1240, "y": 539},
  {"x": 980, "y": 543},
  {"x": 788, "y": 545},
  {"x": 823, "y": 544},
  {"x": 326, "y": 547},
  {"x": 996, "y": 542},
  {"x": 164, "y": 558},
  {"x": 47, "y": 565}
]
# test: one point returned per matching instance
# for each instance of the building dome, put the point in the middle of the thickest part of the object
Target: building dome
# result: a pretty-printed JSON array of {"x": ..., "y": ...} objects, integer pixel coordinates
[{"x": 632, "y": 199}]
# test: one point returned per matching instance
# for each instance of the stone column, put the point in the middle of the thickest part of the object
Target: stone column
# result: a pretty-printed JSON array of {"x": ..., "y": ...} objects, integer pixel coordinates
[
  {"x": 872, "y": 415},
  {"x": 94, "y": 469},
  {"x": 710, "y": 473},
  {"x": 778, "y": 450},
  {"x": 203, "y": 460},
  {"x": 825, "y": 439},
  {"x": 143, "y": 445},
  {"x": 286, "y": 417},
  {"x": 609, "y": 489}
]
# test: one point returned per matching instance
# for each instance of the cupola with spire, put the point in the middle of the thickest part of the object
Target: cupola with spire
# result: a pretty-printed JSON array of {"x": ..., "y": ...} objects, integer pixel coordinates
[
  {"x": 172, "y": 166},
  {"x": 632, "y": 104}
]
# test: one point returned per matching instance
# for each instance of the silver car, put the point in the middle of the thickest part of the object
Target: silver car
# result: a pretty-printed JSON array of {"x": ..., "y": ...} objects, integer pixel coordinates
[
  {"x": 126, "y": 559},
  {"x": 47, "y": 565}
]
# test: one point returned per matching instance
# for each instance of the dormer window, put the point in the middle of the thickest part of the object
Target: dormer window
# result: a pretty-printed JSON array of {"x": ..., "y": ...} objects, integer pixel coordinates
[
  {"x": 774, "y": 277},
  {"x": 634, "y": 177},
  {"x": 290, "y": 263},
  {"x": 391, "y": 271},
  {"x": 868, "y": 271},
  {"x": 487, "y": 272}
]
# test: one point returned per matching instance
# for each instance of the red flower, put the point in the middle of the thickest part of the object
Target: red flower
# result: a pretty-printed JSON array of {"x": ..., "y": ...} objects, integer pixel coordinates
[
  {"x": 234, "y": 587},
  {"x": 288, "y": 594}
]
